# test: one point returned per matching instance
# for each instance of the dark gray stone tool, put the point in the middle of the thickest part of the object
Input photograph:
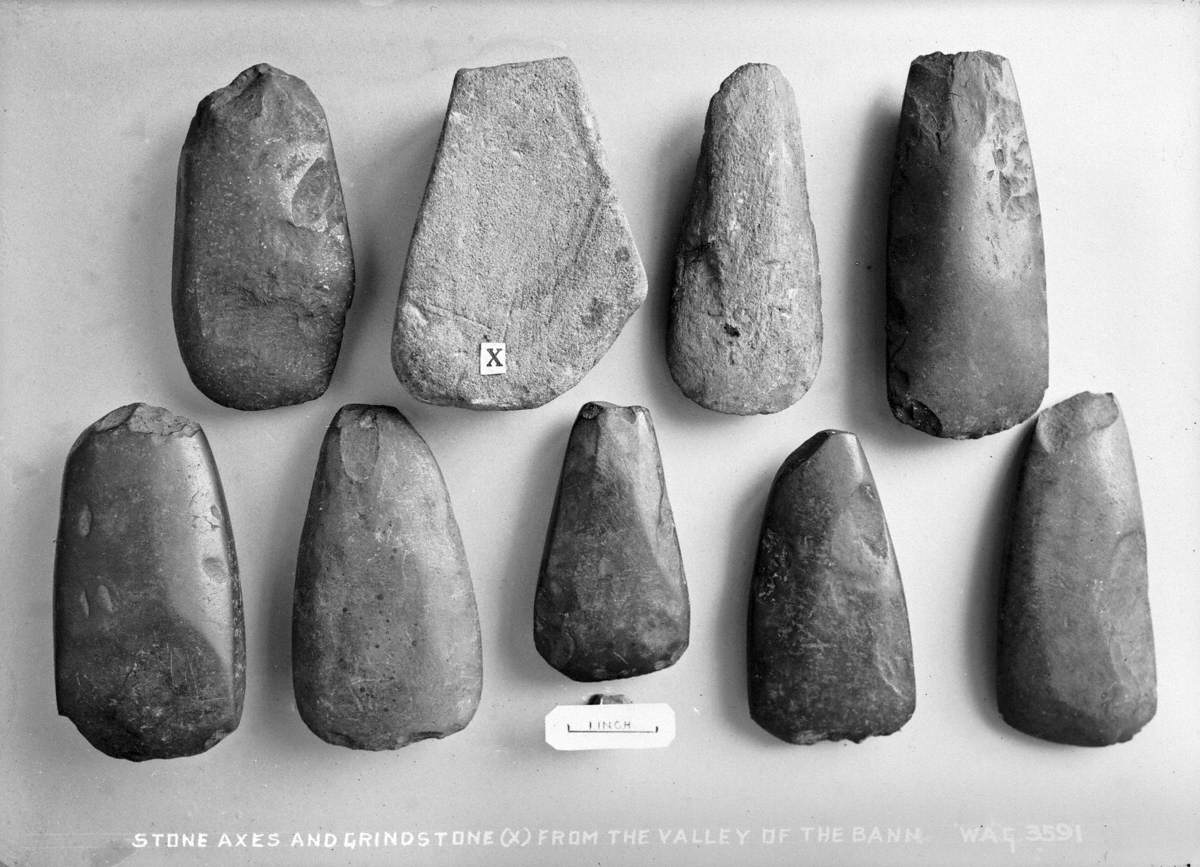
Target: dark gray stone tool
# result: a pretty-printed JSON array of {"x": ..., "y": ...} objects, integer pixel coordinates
[
  {"x": 611, "y": 599},
  {"x": 744, "y": 334},
  {"x": 1076, "y": 645},
  {"x": 967, "y": 351},
  {"x": 386, "y": 646},
  {"x": 149, "y": 647},
  {"x": 520, "y": 246},
  {"x": 263, "y": 270},
  {"x": 829, "y": 651}
]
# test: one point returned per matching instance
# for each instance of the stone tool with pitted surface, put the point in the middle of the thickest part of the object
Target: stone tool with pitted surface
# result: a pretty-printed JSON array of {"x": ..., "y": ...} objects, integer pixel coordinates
[{"x": 520, "y": 241}]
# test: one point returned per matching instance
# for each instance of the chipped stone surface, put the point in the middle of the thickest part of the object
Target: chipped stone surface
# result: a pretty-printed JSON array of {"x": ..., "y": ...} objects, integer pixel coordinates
[
  {"x": 967, "y": 351},
  {"x": 386, "y": 645},
  {"x": 745, "y": 327},
  {"x": 612, "y": 599},
  {"x": 520, "y": 240},
  {"x": 1076, "y": 647},
  {"x": 149, "y": 645},
  {"x": 829, "y": 651},
  {"x": 263, "y": 270}
]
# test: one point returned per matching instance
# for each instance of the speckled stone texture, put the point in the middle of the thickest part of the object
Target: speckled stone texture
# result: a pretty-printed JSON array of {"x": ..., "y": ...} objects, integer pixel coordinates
[
  {"x": 744, "y": 334},
  {"x": 149, "y": 647},
  {"x": 385, "y": 632},
  {"x": 829, "y": 651},
  {"x": 1076, "y": 646},
  {"x": 612, "y": 599},
  {"x": 967, "y": 351},
  {"x": 520, "y": 240},
  {"x": 263, "y": 270}
]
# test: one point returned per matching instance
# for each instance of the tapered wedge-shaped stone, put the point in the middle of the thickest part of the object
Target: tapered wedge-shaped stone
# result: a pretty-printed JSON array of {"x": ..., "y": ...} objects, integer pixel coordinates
[
  {"x": 149, "y": 647},
  {"x": 967, "y": 347},
  {"x": 611, "y": 599},
  {"x": 385, "y": 632},
  {"x": 829, "y": 652},
  {"x": 263, "y": 267},
  {"x": 520, "y": 241},
  {"x": 745, "y": 325},
  {"x": 1076, "y": 646}
]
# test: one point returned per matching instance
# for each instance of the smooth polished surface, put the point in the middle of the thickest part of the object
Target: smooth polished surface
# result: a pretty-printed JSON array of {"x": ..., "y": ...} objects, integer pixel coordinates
[
  {"x": 97, "y": 100},
  {"x": 967, "y": 351},
  {"x": 385, "y": 629},
  {"x": 828, "y": 645},
  {"x": 1076, "y": 645},
  {"x": 149, "y": 644},
  {"x": 611, "y": 599}
]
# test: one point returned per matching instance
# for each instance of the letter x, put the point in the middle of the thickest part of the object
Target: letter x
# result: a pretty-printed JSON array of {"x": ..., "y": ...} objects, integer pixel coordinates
[{"x": 494, "y": 358}]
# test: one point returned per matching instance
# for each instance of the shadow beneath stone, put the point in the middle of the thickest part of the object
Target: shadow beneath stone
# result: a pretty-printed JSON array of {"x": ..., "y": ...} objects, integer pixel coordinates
[
  {"x": 36, "y": 484},
  {"x": 985, "y": 575},
  {"x": 269, "y": 632},
  {"x": 866, "y": 387},
  {"x": 149, "y": 238},
  {"x": 731, "y": 699},
  {"x": 383, "y": 204},
  {"x": 676, "y": 160},
  {"x": 519, "y": 657}
]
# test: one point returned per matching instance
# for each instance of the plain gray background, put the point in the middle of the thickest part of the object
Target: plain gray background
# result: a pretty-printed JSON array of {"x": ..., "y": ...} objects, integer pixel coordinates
[{"x": 94, "y": 103}]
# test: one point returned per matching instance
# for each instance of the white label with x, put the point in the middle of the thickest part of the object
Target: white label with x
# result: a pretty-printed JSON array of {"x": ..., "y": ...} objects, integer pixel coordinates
[{"x": 492, "y": 359}]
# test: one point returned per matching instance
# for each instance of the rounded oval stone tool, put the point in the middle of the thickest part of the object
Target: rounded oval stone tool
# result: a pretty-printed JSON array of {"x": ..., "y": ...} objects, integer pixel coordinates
[
  {"x": 520, "y": 246},
  {"x": 611, "y": 599},
  {"x": 829, "y": 650},
  {"x": 386, "y": 646},
  {"x": 263, "y": 270},
  {"x": 149, "y": 645},
  {"x": 1076, "y": 644},
  {"x": 967, "y": 347},
  {"x": 745, "y": 331}
]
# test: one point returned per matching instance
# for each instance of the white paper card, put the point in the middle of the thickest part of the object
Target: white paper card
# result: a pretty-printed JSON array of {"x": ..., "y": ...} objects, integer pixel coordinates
[
  {"x": 492, "y": 359},
  {"x": 610, "y": 726}
]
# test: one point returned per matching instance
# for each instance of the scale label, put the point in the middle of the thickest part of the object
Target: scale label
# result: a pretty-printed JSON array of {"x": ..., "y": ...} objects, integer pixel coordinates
[
  {"x": 492, "y": 359},
  {"x": 610, "y": 726}
]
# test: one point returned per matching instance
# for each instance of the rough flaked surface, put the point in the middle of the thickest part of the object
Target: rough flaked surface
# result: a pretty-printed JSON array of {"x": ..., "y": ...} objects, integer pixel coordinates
[
  {"x": 385, "y": 632},
  {"x": 1076, "y": 647},
  {"x": 149, "y": 647},
  {"x": 611, "y": 599},
  {"x": 829, "y": 651},
  {"x": 519, "y": 240},
  {"x": 967, "y": 351},
  {"x": 263, "y": 268},
  {"x": 744, "y": 334}
]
